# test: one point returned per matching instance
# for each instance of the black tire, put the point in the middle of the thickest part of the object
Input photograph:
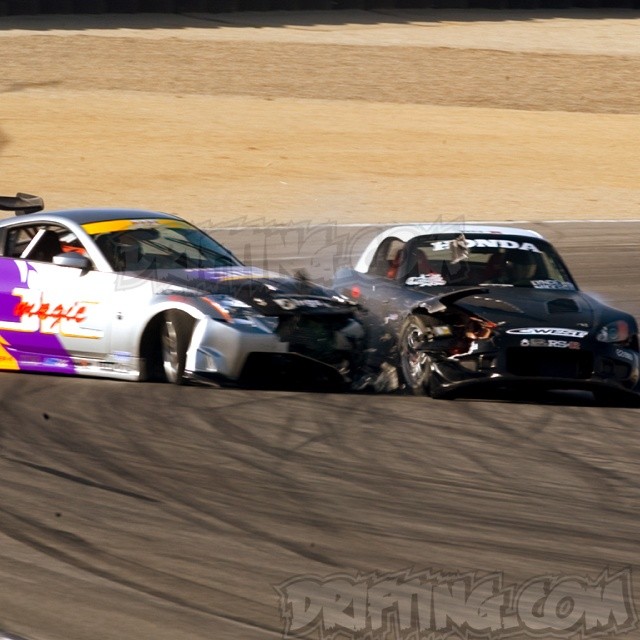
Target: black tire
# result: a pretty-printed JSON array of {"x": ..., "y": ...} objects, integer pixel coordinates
[
  {"x": 175, "y": 335},
  {"x": 415, "y": 364}
]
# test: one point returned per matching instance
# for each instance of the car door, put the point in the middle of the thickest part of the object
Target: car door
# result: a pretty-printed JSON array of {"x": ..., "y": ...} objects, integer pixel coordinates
[{"x": 50, "y": 314}]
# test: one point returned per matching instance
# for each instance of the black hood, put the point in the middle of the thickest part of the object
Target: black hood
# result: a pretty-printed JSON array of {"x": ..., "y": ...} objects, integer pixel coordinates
[
  {"x": 268, "y": 292},
  {"x": 523, "y": 307}
]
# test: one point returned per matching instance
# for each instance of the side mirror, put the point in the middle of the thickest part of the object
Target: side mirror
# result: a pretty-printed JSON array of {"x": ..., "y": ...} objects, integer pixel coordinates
[{"x": 72, "y": 259}]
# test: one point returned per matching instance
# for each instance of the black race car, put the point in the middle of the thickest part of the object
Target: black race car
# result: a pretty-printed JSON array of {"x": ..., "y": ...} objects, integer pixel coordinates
[{"x": 450, "y": 309}]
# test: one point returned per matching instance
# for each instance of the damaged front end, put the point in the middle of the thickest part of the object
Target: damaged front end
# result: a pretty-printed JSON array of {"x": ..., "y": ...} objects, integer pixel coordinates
[
  {"x": 268, "y": 333},
  {"x": 446, "y": 346},
  {"x": 441, "y": 343}
]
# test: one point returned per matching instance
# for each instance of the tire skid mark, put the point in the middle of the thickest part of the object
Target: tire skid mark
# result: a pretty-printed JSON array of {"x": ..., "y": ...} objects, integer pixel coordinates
[
  {"x": 449, "y": 484},
  {"x": 356, "y": 478},
  {"x": 181, "y": 497},
  {"x": 37, "y": 536},
  {"x": 80, "y": 480}
]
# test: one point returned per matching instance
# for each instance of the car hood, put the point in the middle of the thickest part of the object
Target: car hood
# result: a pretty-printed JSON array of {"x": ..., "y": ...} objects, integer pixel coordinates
[
  {"x": 269, "y": 292},
  {"x": 520, "y": 307}
]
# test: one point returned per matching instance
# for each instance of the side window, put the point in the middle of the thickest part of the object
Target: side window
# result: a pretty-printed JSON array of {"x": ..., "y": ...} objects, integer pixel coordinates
[
  {"x": 40, "y": 242},
  {"x": 387, "y": 258},
  {"x": 17, "y": 239}
]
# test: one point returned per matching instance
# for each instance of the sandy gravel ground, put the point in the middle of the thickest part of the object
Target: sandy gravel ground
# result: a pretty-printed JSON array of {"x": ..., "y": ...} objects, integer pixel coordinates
[{"x": 321, "y": 117}]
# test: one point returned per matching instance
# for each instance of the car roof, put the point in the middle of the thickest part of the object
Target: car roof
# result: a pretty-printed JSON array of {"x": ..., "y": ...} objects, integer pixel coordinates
[
  {"x": 407, "y": 232},
  {"x": 84, "y": 216}
]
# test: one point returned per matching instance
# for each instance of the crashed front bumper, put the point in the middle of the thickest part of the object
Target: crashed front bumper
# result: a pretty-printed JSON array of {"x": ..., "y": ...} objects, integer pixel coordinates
[
  {"x": 599, "y": 366},
  {"x": 250, "y": 354},
  {"x": 221, "y": 349}
]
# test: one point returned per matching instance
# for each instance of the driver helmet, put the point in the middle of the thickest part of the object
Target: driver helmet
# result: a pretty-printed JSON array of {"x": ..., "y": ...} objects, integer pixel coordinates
[{"x": 520, "y": 265}]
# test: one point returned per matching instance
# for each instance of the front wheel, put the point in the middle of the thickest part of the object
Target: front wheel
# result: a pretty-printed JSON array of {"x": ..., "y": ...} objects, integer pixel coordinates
[
  {"x": 175, "y": 335},
  {"x": 415, "y": 363}
]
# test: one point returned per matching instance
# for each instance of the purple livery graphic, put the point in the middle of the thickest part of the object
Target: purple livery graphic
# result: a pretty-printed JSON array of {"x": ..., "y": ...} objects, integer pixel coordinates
[{"x": 28, "y": 345}]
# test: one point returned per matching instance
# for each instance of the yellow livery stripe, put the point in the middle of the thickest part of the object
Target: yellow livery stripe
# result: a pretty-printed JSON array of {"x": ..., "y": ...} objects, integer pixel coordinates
[
  {"x": 7, "y": 361},
  {"x": 94, "y": 228}
]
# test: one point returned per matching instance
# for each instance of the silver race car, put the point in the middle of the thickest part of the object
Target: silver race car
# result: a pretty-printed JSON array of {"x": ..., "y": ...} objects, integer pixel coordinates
[{"x": 142, "y": 295}]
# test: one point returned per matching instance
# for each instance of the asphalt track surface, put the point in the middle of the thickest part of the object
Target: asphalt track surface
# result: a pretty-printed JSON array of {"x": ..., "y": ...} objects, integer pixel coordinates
[{"x": 152, "y": 511}]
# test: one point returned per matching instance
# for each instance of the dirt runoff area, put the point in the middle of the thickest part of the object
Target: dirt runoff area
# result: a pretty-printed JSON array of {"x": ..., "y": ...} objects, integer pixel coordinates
[{"x": 355, "y": 117}]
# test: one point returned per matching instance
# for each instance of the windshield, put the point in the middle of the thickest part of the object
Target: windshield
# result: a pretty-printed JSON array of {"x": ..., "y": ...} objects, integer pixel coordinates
[
  {"x": 510, "y": 261},
  {"x": 139, "y": 245}
]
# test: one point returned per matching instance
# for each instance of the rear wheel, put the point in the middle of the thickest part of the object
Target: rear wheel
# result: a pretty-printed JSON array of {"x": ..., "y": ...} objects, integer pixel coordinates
[
  {"x": 175, "y": 335},
  {"x": 415, "y": 363}
]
